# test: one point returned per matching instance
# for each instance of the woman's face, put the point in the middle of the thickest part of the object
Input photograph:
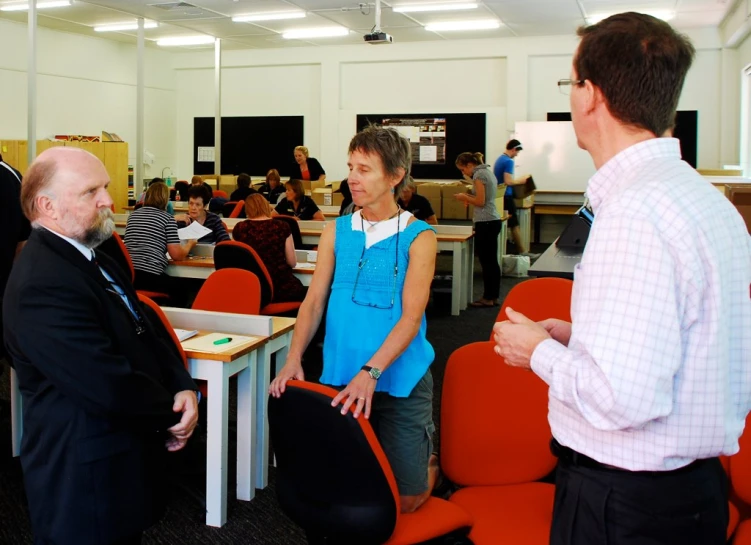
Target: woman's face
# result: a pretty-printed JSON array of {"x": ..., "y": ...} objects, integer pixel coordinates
[
  {"x": 273, "y": 182},
  {"x": 407, "y": 194},
  {"x": 290, "y": 194},
  {"x": 466, "y": 169},
  {"x": 368, "y": 181},
  {"x": 196, "y": 208},
  {"x": 300, "y": 157}
]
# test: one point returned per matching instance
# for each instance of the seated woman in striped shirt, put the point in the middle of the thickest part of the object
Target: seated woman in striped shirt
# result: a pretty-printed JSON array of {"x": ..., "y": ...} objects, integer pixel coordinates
[
  {"x": 198, "y": 199},
  {"x": 150, "y": 234}
]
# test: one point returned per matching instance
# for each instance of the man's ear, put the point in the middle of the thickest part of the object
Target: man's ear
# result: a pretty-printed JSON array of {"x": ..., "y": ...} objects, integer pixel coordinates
[
  {"x": 400, "y": 172},
  {"x": 46, "y": 206},
  {"x": 593, "y": 97}
]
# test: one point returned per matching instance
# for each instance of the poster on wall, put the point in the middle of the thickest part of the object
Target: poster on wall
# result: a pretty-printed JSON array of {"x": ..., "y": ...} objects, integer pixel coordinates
[{"x": 427, "y": 138}]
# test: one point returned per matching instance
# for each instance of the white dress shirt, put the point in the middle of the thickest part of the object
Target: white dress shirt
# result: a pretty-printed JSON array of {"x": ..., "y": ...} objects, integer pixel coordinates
[{"x": 657, "y": 372}]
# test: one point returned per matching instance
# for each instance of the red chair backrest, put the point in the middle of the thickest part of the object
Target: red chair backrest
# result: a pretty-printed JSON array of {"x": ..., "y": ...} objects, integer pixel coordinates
[
  {"x": 539, "y": 299},
  {"x": 230, "y": 290},
  {"x": 314, "y": 476},
  {"x": 740, "y": 465},
  {"x": 239, "y": 207},
  {"x": 116, "y": 249},
  {"x": 220, "y": 193},
  {"x": 231, "y": 254},
  {"x": 160, "y": 313},
  {"x": 295, "y": 228},
  {"x": 494, "y": 425}
]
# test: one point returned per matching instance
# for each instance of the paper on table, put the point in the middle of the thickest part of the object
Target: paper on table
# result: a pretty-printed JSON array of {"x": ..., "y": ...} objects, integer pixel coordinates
[
  {"x": 184, "y": 334},
  {"x": 205, "y": 343},
  {"x": 305, "y": 266},
  {"x": 193, "y": 231}
]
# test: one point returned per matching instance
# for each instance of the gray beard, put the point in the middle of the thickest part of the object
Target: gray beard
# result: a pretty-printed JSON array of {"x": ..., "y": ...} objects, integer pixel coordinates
[{"x": 100, "y": 231}]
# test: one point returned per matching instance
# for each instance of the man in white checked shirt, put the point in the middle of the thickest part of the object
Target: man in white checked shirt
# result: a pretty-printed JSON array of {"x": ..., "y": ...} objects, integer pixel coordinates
[{"x": 651, "y": 381}]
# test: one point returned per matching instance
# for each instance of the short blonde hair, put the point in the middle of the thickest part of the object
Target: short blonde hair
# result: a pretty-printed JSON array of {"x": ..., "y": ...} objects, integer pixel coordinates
[
  {"x": 303, "y": 150},
  {"x": 157, "y": 196},
  {"x": 195, "y": 180},
  {"x": 256, "y": 206}
]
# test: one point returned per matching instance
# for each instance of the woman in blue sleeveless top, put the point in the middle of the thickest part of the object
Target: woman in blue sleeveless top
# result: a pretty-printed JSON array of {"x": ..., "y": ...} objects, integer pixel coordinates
[{"x": 374, "y": 271}]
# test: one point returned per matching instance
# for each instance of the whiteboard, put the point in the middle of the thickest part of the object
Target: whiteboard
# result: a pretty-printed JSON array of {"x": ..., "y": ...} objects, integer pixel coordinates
[{"x": 552, "y": 156}]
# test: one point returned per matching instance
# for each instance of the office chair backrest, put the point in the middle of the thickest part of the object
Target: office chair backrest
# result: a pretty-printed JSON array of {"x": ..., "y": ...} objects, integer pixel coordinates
[
  {"x": 539, "y": 299},
  {"x": 238, "y": 211},
  {"x": 228, "y": 207},
  {"x": 494, "y": 425},
  {"x": 295, "y": 228},
  {"x": 231, "y": 254},
  {"x": 740, "y": 196},
  {"x": 155, "y": 313},
  {"x": 221, "y": 194},
  {"x": 740, "y": 465},
  {"x": 230, "y": 290},
  {"x": 115, "y": 248},
  {"x": 333, "y": 477}
]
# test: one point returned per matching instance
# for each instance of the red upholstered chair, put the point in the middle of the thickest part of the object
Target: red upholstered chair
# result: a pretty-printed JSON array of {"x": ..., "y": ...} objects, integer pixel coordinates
[
  {"x": 740, "y": 484},
  {"x": 495, "y": 442},
  {"x": 239, "y": 207},
  {"x": 334, "y": 480},
  {"x": 227, "y": 208},
  {"x": 230, "y": 290},
  {"x": 295, "y": 228},
  {"x": 219, "y": 193},
  {"x": 116, "y": 249},
  {"x": 238, "y": 255},
  {"x": 159, "y": 313},
  {"x": 539, "y": 299}
]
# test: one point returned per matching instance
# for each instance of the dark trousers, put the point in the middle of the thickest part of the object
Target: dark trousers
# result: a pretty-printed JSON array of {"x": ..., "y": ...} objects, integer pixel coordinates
[
  {"x": 486, "y": 246},
  {"x": 601, "y": 506}
]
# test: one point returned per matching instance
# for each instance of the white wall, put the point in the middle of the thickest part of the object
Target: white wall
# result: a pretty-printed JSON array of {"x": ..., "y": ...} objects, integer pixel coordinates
[
  {"x": 511, "y": 79},
  {"x": 86, "y": 85}
]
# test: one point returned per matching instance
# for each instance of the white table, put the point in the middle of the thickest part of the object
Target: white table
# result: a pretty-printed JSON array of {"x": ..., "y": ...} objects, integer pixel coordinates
[{"x": 201, "y": 267}]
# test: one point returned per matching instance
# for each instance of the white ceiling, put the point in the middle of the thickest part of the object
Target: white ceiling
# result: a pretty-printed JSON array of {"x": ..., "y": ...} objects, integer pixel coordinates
[{"x": 213, "y": 17}]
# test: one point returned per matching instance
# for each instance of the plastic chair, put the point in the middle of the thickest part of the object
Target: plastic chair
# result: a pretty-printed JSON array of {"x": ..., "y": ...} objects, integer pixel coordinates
[
  {"x": 539, "y": 299},
  {"x": 740, "y": 483},
  {"x": 230, "y": 290},
  {"x": 342, "y": 490},
  {"x": 116, "y": 249},
  {"x": 495, "y": 441},
  {"x": 219, "y": 193},
  {"x": 227, "y": 208},
  {"x": 296, "y": 235},
  {"x": 238, "y": 255},
  {"x": 238, "y": 211},
  {"x": 158, "y": 314}
]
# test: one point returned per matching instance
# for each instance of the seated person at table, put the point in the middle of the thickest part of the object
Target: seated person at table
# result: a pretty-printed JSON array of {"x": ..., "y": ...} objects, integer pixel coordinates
[
  {"x": 150, "y": 234},
  {"x": 273, "y": 189},
  {"x": 197, "y": 200},
  {"x": 306, "y": 167},
  {"x": 418, "y": 205},
  {"x": 243, "y": 188},
  {"x": 272, "y": 240},
  {"x": 297, "y": 204},
  {"x": 170, "y": 208},
  {"x": 347, "y": 206},
  {"x": 197, "y": 180}
]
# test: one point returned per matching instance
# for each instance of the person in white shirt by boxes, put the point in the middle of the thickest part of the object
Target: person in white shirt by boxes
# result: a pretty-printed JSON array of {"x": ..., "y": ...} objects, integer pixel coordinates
[{"x": 651, "y": 381}]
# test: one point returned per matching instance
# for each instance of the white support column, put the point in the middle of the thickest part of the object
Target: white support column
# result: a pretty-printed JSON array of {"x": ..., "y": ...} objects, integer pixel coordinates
[
  {"x": 331, "y": 152},
  {"x": 517, "y": 92},
  {"x": 218, "y": 107},
  {"x": 31, "y": 86},
  {"x": 138, "y": 171}
]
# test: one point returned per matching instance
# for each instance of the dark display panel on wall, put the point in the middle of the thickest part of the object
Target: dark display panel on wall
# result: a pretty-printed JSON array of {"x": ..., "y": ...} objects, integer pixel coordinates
[
  {"x": 436, "y": 139},
  {"x": 249, "y": 144}
]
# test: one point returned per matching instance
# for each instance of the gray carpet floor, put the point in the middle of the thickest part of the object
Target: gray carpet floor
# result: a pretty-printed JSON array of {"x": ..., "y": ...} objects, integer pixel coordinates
[{"x": 259, "y": 521}]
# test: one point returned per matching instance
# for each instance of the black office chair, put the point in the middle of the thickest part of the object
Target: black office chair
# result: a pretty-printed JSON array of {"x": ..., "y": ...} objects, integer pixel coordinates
[{"x": 296, "y": 235}]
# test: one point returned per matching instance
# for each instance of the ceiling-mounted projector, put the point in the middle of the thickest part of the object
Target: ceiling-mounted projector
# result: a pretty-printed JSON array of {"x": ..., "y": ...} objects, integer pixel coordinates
[{"x": 376, "y": 38}]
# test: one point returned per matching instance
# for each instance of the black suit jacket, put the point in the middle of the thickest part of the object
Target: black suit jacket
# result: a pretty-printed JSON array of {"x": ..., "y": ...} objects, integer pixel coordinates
[
  {"x": 97, "y": 389},
  {"x": 315, "y": 168}
]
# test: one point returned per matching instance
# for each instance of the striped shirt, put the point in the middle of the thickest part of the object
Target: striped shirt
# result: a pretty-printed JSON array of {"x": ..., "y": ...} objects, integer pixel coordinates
[
  {"x": 657, "y": 372},
  {"x": 147, "y": 234},
  {"x": 214, "y": 222}
]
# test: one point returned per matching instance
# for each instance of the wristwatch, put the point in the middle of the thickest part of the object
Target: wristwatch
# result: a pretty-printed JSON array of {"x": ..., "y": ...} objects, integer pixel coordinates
[{"x": 374, "y": 372}]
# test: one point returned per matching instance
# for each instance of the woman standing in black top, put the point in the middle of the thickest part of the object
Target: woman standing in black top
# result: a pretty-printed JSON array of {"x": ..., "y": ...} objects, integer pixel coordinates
[
  {"x": 306, "y": 167},
  {"x": 297, "y": 204}
]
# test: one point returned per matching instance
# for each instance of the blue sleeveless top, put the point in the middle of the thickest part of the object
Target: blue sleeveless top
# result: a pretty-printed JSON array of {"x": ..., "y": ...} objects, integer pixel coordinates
[{"x": 354, "y": 332}]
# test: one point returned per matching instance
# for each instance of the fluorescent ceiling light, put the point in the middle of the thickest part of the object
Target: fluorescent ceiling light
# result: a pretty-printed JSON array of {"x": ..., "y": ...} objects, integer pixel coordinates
[
  {"x": 405, "y": 8},
  {"x": 118, "y": 27},
  {"x": 665, "y": 15},
  {"x": 269, "y": 16},
  {"x": 186, "y": 40},
  {"x": 464, "y": 25},
  {"x": 24, "y": 6},
  {"x": 321, "y": 32}
]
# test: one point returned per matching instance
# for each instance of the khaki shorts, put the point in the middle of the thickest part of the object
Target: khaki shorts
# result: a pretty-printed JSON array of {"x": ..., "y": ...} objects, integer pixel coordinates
[{"x": 404, "y": 426}]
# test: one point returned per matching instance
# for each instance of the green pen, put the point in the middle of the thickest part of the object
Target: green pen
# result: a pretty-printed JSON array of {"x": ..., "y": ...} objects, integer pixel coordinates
[{"x": 223, "y": 341}]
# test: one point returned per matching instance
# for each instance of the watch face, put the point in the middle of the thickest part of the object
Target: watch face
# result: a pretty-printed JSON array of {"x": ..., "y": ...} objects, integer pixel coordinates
[{"x": 375, "y": 373}]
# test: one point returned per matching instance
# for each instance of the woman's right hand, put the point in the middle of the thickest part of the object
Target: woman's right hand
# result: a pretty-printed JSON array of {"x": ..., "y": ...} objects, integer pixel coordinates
[{"x": 290, "y": 371}]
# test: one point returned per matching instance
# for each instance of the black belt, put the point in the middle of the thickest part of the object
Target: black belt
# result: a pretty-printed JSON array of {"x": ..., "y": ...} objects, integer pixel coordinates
[{"x": 581, "y": 460}]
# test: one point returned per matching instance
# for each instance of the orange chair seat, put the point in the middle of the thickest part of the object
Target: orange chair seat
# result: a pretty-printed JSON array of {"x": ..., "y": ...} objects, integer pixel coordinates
[
  {"x": 743, "y": 534},
  {"x": 436, "y": 517},
  {"x": 733, "y": 520},
  {"x": 519, "y": 513},
  {"x": 272, "y": 309},
  {"x": 153, "y": 294}
]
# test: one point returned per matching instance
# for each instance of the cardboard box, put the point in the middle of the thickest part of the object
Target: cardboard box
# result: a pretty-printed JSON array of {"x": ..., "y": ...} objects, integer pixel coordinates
[
  {"x": 310, "y": 186},
  {"x": 335, "y": 185},
  {"x": 227, "y": 183},
  {"x": 527, "y": 202},
  {"x": 326, "y": 197},
  {"x": 432, "y": 192},
  {"x": 524, "y": 190},
  {"x": 451, "y": 208}
]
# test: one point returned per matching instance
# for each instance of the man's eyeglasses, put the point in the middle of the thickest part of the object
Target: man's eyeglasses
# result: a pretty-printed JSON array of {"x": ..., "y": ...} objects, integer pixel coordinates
[{"x": 564, "y": 85}]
